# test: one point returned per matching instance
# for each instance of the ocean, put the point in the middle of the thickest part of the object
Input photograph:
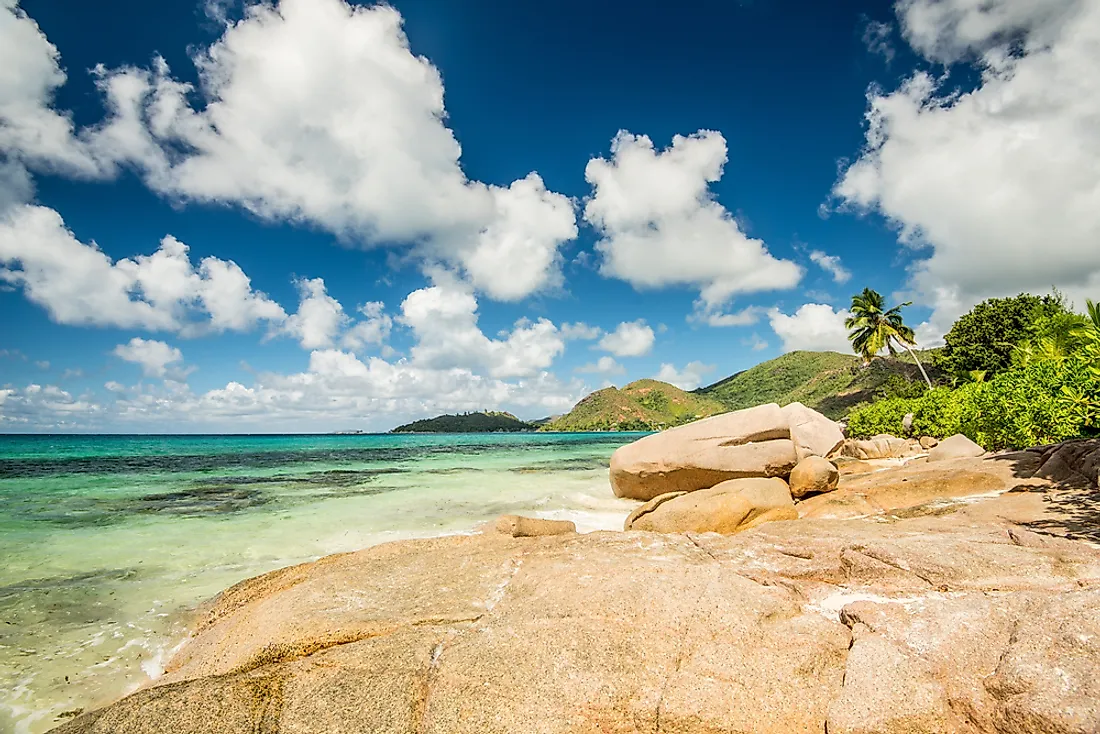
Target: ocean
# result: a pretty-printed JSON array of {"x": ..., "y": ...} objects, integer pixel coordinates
[{"x": 108, "y": 541}]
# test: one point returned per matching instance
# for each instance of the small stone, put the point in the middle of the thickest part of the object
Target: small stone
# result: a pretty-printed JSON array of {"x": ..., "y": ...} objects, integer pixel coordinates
[
  {"x": 955, "y": 447},
  {"x": 529, "y": 527}
]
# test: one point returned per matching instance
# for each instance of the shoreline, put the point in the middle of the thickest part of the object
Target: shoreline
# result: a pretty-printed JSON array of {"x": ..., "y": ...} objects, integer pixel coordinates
[{"x": 96, "y": 543}]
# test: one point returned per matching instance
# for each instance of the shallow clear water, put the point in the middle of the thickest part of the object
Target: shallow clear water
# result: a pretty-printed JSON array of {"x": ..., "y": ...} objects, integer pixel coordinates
[{"x": 106, "y": 541}]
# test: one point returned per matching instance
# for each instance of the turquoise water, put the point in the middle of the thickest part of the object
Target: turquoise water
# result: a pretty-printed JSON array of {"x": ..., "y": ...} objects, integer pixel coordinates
[{"x": 107, "y": 541}]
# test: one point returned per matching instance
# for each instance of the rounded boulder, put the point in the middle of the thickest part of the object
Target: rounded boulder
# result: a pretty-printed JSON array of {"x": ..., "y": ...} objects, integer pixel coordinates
[
  {"x": 814, "y": 475},
  {"x": 955, "y": 447},
  {"x": 729, "y": 507}
]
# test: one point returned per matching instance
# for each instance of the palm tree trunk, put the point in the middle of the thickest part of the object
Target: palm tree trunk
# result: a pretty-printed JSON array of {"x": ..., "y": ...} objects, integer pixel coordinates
[{"x": 919, "y": 365}]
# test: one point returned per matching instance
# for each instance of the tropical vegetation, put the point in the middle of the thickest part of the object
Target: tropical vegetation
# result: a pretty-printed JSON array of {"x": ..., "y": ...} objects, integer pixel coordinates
[{"x": 1031, "y": 378}]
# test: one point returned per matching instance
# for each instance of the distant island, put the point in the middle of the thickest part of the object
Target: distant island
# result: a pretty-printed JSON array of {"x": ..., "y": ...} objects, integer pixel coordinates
[{"x": 480, "y": 422}]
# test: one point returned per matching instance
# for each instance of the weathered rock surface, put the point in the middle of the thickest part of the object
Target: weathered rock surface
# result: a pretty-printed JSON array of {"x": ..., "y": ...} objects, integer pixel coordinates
[
  {"x": 956, "y": 622},
  {"x": 813, "y": 434},
  {"x": 928, "y": 442},
  {"x": 919, "y": 482},
  {"x": 729, "y": 507},
  {"x": 745, "y": 443},
  {"x": 1075, "y": 463},
  {"x": 813, "y": 475},
  {"x": 955, "y": 447},
  {"x": 879, "y": 447},
  {"x": 519, "y": 526}
]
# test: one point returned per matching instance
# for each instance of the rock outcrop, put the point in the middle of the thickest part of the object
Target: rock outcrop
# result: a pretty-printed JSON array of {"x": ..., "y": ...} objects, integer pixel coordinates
[
  {"x": 729, "y": 507},
  {"x": 813, "y": 475},
  {"x": 1074, "y": 463},
  {"x": 955, "y": 447},
  {"x": 975, "y": 617}
]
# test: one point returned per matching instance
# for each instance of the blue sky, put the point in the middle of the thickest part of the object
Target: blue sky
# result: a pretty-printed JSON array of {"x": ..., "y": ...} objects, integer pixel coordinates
[{"x": 314, "y": 215}]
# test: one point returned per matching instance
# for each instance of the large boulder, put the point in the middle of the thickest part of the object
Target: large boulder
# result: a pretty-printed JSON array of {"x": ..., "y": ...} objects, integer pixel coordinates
[
  {"x": 729, "y": 507},
  {"x": 813, "y": 434},
  {"x": 955, "y": 447},
  {"x": 745, "y": 443},
  {"x": 813, "y": 475},
  {"x": 882, "y": 446}
]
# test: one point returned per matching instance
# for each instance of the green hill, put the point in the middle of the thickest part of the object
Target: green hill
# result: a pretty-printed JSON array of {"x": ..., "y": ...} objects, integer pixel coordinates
[
  {"x": 488, "y": 422},
  {"x": 830, "y": 382},
  {"x": 645, "y": 405}
]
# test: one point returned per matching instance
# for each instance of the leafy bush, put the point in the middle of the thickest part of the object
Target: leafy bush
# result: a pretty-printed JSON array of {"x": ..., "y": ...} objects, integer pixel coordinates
[
  {"x": 943, "y": 412},
  {"x": 939, "y": 412},
  {"x": 1024, "y": 407},
  {"x": 881, "y": 416},
  {"x": 1044, "y": 402},
  {"x": 899, "y": 386}
]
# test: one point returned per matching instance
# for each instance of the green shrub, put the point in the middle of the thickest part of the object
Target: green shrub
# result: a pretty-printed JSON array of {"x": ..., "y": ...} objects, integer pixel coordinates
[
  {"x": 1024, "y": 407},
  {"x": 942, "y": 412},
  {"x": 1044, "y": 402},
  {"x": 939, "y": 412},
  {"x": 881, "y": 416},
  {"x": 899, "y": 386}
]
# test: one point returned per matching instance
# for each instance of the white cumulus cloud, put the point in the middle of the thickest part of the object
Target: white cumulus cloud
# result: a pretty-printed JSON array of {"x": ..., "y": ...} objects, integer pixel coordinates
[
  {"x": 154, "y": 357},
  {"x": 319, "y": 318},
  {"x": 660, "y": 225},
  {"x": 581, "y": 331},
  {"x": 832, "y": 265},
  {"x": 996, "y": 189},
  {"x": 813, "y": 327},
  {"x": 745, "y": 317},
  {"x": 630, "y": 339},
  {"x": 78, "y": 284},
  {"x": 606, "y": 366},
  {"x": 444, "y": 318},
  {"x": 311, "y": 111},
  {"x": 372, "y": 329},
  {"x": 688, "y": 378},
  {"x": 338, "y": 389},
  {"x": 31, "y": 131},
  {"x": 47, "y": 407}
]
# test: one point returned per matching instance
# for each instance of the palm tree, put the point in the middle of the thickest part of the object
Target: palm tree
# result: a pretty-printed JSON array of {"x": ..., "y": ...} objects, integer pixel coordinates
[{"x": 871, "y": 329}]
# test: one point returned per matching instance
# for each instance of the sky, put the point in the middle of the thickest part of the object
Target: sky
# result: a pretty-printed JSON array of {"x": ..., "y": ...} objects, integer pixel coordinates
[{"x": 318, "y": 215}]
